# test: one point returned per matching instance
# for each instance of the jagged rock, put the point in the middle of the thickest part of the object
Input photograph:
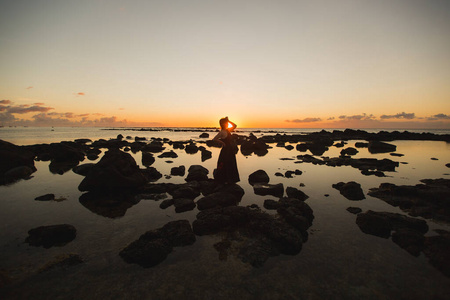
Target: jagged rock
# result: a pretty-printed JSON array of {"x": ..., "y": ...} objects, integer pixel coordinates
[
  {"x": 191, "y": 148},
  {"x": 259, "y": 176},
  {"x": 382, "y": 223},
  {"x": 115, "y": 170},
  {"x": 276, "y": 190},
  {"x": 178, "y": 171},
  {"x": 427, "y": 200},
  {"x": 153, "y": 246},
  {"x": 206, "y": 154},
  {"x": 147, "y": 159},
  {"x": 197, "y": 173},
  {"x": 49, "y": 236},
  {"x": 293, "y": 192},
  {"x": 350, "y": 190}
]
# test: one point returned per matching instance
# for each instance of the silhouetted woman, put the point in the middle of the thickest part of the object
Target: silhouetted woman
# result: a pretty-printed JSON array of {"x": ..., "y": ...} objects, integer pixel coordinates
[{"x": 226, "y": 171}]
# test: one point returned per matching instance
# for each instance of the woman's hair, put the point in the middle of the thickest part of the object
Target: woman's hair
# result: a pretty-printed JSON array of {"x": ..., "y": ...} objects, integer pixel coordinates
[{"x": 223, "y": 123}]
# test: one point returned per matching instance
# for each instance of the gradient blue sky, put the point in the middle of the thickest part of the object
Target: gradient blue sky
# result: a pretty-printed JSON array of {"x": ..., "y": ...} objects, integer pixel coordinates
[{"x": 262, "y": 63}]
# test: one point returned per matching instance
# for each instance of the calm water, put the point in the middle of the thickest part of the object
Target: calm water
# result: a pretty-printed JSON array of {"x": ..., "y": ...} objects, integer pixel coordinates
[{"x": 337, "y": 262}]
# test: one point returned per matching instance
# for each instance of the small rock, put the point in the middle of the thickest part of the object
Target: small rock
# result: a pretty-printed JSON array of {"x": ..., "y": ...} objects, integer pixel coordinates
[
  {"x": 354, "y": 210},
  {"x": 46, "y": 197},
  {"x": 49, "y": 236},
  {"x": 259, "y": 176}
]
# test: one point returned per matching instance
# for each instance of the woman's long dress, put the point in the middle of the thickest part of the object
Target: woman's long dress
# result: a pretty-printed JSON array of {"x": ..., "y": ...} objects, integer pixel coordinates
[{"x": 226, "y": 165}]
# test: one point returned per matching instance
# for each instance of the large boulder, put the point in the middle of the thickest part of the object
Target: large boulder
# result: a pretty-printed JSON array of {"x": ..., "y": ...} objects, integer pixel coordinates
[
  {"x": 197, "y": 173},
  {"x": 116, "y": 170},
  {"x": 19, "y": 161},
  {"x": 259, "y": 176}
]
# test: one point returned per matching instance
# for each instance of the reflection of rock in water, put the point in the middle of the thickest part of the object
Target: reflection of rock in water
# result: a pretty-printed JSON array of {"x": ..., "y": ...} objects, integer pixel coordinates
[
  {"x": 408, "y": 233},
  {"x": 153, "y": 246},
  {"x": 110, "y": 205},
  {"x": 253, "y": 235},
  {"x": 428, "y": 200}
]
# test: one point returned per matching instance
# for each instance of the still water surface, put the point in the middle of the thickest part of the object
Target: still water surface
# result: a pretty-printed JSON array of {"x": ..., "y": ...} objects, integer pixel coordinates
[{"x": 337, "y": 262}]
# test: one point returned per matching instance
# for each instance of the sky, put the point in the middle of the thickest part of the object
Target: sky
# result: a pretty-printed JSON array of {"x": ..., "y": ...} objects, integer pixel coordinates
[{"x": 188, "y": 63}]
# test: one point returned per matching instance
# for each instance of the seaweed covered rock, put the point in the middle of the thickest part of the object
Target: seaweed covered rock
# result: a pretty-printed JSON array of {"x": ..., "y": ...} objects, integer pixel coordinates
[
  {"x": 155, "y": 245},
  {"x": 428, "y": 200}
]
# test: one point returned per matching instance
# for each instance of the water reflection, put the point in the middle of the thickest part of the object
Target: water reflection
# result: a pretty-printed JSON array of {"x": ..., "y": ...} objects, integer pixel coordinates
[{"x": 110, "y": 205}]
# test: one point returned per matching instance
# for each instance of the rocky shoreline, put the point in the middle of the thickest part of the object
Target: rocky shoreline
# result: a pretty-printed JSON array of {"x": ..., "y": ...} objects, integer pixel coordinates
[{"x": 116, "y": 182}]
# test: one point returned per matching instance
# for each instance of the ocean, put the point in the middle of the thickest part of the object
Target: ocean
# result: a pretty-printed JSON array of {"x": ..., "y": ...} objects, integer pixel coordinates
[{"x": 337, "y": 261}]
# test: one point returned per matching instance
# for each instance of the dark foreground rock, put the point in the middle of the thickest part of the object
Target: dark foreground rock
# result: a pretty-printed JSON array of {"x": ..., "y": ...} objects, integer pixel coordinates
[
  {"x": 350, "y": 190},
  {"x": 197, "y": 173},
  {"x": 16, "y": 163},
  {"x": 49, "y": 236},
  {"x": 409, "y": 234},
  {"x": 155, "y": 245},
  {"x": 429, "y": 200},
  {"x": 255, "y": 235},
  {"x": 381, "y": 147}
]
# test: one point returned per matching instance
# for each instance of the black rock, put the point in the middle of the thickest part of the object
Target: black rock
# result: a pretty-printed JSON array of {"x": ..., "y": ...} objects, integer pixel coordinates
[
  {"x": 178, "y": 171},
  {"x": 354, "y": 210},
  {"x": 46, "y": 197},
  {"x": 166, "y": 203},
  {"x": 204, "y": 135},
  {"x": 170, "y": 154},
  {"x": 53, "y": 235},
  {"x": 349, "y": 151},
  {"x": 276, "y": 190},
  {"x": 350, "y": 190},
  {"x": 381, "y": 147},
  {"x": 197, "y": 173},
  {"x": 147, "y": 158},
  {"x": 293, "y": 192},
  {"x": 183, "y": 204},
  {"x": 153, "y": 246},
  {"x": 259, "y": 176}
]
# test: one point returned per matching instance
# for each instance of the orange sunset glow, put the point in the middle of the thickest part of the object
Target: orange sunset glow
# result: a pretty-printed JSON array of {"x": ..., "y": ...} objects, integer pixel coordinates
[{"x": 288, "y": 64}]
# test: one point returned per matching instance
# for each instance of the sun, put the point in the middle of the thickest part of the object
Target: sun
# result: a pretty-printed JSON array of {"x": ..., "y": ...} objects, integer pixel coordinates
[{"x": 230, "y": 125}]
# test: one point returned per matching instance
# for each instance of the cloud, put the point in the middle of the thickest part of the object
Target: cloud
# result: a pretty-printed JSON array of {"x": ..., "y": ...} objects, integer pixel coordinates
[
  {"x": 363, "y": 117},
  {"x": 5, "y": 101},
  {"x": 439, "y": 117},
  {"x": 305, "y": 120},
  {"x": 330, "y": 118},
  {"x": 80, "y": 94},
  {"x": 23, "y": 109},
  {"x": 402, "y": 115},
  {"x": 28, "y": 88}
]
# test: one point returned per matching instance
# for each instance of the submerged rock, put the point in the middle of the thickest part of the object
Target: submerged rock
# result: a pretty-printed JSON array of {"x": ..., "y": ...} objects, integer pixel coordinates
[
  {"x": 49, "y": 236},
  {"x": 46, "y": 197},
  {"x": 428, "y": 200},
  {"x": 276, "y": 190},
  {"x": 155, "y": 245}
]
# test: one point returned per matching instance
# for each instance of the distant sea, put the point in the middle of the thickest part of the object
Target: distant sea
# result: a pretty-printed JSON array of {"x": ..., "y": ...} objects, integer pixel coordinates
[{"x": 38, "y": 135}]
